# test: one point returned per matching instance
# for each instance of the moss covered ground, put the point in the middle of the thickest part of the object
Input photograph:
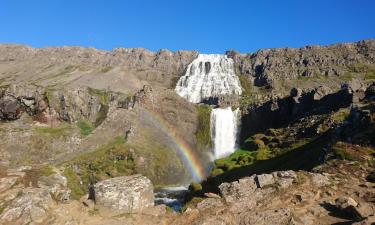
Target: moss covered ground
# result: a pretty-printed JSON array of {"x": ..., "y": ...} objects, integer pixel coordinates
[{"x": 109, "y": 160}]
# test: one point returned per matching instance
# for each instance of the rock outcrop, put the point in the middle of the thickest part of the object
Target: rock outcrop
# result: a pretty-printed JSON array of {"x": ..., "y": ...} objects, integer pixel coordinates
[
  {"x": 269, "y": 65},
  {"x": 128, "y": 194}
]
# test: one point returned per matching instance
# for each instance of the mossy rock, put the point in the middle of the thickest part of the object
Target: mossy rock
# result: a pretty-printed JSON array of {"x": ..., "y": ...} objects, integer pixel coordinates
[
  {"x": 216, "y": 172},
  {"x": 195, "y": 187},
  {"x": 252, "y": 144}
]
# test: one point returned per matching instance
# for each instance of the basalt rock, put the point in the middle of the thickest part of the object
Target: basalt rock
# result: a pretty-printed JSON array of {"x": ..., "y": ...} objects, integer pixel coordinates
[
  {"x": 269, "y": 65},
  {"x": 300, "y": 103}
]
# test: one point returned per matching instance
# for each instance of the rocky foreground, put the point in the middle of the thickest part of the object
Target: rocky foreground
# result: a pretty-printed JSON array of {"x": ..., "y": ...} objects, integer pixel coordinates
[{"x": 284, "y": 197}]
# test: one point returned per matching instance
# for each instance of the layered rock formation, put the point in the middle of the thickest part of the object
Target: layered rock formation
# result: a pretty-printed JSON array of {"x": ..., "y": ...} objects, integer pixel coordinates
[{"x": 271, "y": 65}]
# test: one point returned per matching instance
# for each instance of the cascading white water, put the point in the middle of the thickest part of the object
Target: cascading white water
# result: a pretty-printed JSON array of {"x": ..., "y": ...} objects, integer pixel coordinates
[
  {"x": 224, "y": 128},
  {"x": 213, "y": 76},
  {"x": 209, "y": 76}
]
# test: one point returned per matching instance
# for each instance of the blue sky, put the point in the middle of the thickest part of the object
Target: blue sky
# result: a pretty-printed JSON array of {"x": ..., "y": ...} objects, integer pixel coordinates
[{"x": 209, "y": 26}]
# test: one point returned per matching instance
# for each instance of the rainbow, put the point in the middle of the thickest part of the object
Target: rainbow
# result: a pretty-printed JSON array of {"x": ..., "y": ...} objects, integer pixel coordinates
[{"x": 188, "y": 155}]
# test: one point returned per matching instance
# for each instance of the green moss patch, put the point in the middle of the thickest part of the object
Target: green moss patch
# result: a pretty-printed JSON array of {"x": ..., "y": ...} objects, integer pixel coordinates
[
  {"x": 203, "y": 132},
  {"x": 85, "y": 127}
]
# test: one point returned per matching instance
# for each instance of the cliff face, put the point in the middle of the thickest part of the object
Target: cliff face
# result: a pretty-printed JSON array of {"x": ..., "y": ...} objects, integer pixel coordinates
[{"x": 269, "y": 65}]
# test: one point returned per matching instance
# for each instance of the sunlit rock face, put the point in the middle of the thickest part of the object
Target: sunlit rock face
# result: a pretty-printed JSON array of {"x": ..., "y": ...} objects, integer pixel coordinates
[
  {"x": 209, "y": 75},
  {"x": 224, "y": 131}
]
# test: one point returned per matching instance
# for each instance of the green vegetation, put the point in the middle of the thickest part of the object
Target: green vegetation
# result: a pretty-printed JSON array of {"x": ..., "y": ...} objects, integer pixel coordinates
[
  {"x": 203, "y": 132},
  {"x": 63, "y": 130},
  {"x": 262, "y": 154},
  {"x": 305, "y": 157},
  {"x": 102, "y": 115},
  {"x": 367, "y": 70},
  {"x": 109, "y": 160},
  {"x": 216, "y": 172},
  {"x": 94, "y": 212},
  {"x": 74, "y": 183},
  {"x": 341, "y": 115},
  {"x": 106, "y": 69},
  {"x": 85, "y": 127},
  {"x": 2, "y": 209},
  {"x": 46, "y": 170},
  {"x": 104, "y": 100},
  {"x": 192, "y": 203},
  {"x": 245, "y": 84},
  {"x": 195, "y": 187},
  {"x": 239, "y": 158}
]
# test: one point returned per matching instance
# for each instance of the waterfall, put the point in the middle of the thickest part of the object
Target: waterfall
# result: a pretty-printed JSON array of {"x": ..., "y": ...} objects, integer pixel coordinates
[
  {"x": 213, "y": 76},
  {"x": 208, "y": 76},
  {"x": 224, "y": 130}
]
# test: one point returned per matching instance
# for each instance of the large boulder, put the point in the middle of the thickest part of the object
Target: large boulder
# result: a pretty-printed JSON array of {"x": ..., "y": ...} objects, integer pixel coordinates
[
  {"x": 31, "y": 206},
  {"x": 128, "y": 194},
  {"x": 10, "y": 108}
]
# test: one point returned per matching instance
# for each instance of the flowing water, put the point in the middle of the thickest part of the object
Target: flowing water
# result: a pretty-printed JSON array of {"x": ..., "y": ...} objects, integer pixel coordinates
[
  {"x": 224, "y": 131},
  {"x": 173, "y": 197},
  {"x": 209, "y": 75}
]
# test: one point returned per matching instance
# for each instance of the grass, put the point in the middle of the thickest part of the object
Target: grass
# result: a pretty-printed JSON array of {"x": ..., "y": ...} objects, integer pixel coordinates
[
  {"x": 203, "y": 132},
  {"x": 368, "y": 70},
  {"x": 62, "y": 130},
  {"x": 305, "y": 157},
  {"x": 109, "y": 160},
  {"x": 239, "y": 158},
  {"x": 341, "y": 115},
  {"x": 246, "y": 85},
  {"x": 104, "y": 100},
  {"x": 46, "y": 170},
  {"x": 85, "y": 127}
]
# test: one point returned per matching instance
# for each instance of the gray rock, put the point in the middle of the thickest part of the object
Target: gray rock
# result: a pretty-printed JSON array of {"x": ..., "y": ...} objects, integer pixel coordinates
[
  {"x": 7, "y": 182},
  {"x": 10, "y": 108},
  {"x": 238, "y": 189},
  {"x": 129, "y": 193},
  {"x": 364, "y": 210},
  {"x": 209, "y": 203},
  {"x": 56, "y": 184},
  {"x": 264, "y": 180},
  {"x": 344, "y": 202},
  {"x": 268, "y": 65},
  {"x": 272, "y": 216},
  {"x": 31, "y": 206},
  {"x": 319, "y": 180}
]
